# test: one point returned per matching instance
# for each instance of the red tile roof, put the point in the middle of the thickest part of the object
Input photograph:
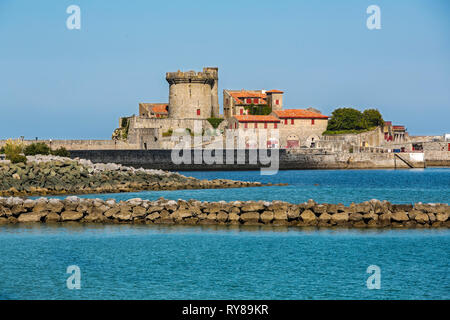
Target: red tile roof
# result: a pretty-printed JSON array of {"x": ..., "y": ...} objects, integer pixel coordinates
[
  {"x": 274, "y": 91},
  {"x": 237, "y": 95},
  {"x": 160, "y": 108},
  {"x": 299, "y": 114},
  {"x": 256, "y": 118}
]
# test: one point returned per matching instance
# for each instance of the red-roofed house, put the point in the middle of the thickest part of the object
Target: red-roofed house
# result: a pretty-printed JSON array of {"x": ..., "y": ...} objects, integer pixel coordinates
[
  {"x": 235, "y": 101},
  {"x": 153, "y": 110},
  {"x": 300, "y": 127}
]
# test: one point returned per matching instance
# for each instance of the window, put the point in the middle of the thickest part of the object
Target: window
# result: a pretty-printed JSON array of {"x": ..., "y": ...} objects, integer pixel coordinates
[
  {"x": 292, "y": 121},
  {"x": 265, "y": 125},
  {"x": 249, "y": 100},
  {"x": 312, "y": 121},
  {"x": 256, "y": 125},
  {"x": 285, "y": 121},
  {"x": 245, "y": 125},
  {"x": 275, "y": 125},
  {"x": 277, "y": 102},
  {"x": 255, "y": 100},
  {"x": 241, "y": 111},
  {"x": 235, "y": 125},
  {"x": 198, "y": 112}
]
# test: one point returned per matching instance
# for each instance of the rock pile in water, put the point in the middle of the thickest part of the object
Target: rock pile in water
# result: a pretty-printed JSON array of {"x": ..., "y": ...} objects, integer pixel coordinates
[
  {"x": 45, "y": 175},
  {"x": 373, "y": 213}
]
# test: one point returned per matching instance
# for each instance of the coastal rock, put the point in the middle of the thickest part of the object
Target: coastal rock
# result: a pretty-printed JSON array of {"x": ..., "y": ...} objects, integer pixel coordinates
[
  {"x": 421, "y": 217},
  {"x": 308, "y": 216},
  {"x": 71, "y": 216},
  {"x": 266, "y": 217},
  {"x": 400, "y": 216},
  {"x": 442, "y": 217},
  {"x": 250, "y": 217},
  {"x": 340, "y": 217},
  {"x": 31, "y": 217}
]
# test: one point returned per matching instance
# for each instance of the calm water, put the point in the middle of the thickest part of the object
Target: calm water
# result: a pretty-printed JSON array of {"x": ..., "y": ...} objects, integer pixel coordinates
[
  {"x": 332, "y": 186},
  {"x": 149, "y": 262},
  {"x": 199, "y": 262}
]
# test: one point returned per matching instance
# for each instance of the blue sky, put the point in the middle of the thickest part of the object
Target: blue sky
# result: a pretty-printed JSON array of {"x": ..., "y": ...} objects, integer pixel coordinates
[{"x": 60, "y": 83}]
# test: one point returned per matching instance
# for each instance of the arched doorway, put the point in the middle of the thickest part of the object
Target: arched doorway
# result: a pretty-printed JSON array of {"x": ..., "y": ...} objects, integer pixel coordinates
[
  {"x": 312, "y": 140},
  {"x": 292, "y": 141}
]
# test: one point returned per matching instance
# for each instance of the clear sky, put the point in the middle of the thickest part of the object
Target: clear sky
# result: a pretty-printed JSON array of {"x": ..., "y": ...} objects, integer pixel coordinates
[{"x": 60, "y": 83}]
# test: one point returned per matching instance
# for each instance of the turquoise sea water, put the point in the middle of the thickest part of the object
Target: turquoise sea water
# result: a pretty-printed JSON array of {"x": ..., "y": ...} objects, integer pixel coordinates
[
  {"x": 219, "y": 262},
  {"x": 332, "y": 186},
  {"x": 176, "y": 262}
]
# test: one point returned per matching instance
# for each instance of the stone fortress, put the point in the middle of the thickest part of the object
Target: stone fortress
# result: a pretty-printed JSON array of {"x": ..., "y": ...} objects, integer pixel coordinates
[
  {"x": 193, "y": 96},
  {"x": 193, "y": 100}
]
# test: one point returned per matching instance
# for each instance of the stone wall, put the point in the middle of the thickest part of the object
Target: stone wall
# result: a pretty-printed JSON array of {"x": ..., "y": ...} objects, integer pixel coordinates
[
  {"x": 371, "y": 214},
  {"x": 288, "y": 159},
  {"x": 84, "y": 144},
  {"x": 344, "y": 142}
]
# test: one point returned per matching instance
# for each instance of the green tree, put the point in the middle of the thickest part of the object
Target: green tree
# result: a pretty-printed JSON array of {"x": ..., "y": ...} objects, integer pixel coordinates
[
  {"x": 345, "y": 119},
  {"x": 372, "y": 118}
]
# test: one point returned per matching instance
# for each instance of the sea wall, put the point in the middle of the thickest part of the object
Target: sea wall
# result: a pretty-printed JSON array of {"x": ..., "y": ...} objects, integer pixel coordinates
[
  {"x": 84, "y": 144},
  {"x": 371, "y": 214},
  {"x": 437, "y": 158},
  {"x": 288, "y": 159}
]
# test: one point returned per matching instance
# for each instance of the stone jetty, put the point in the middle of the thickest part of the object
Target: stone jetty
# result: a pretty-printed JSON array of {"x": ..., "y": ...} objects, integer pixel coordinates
[
  {"x": 371, "y": 214},
  {"x": 51, "y": 175}
]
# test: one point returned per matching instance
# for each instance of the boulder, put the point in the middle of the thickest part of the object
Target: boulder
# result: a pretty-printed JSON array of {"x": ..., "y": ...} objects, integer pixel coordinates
[
  {"x": 442, "y": 217},
  {"x": 71, "y": 216},
  {"x": 308, "y": 216},
  {"x": 222, "y": 216},
  {"x": 55, "y": 205},
  {"x": 400, "y": 216},
  {"x": 324, "y": 217},
  {"x": 355, "y": 217},
  {"x": 52, "y": 217},
  {"x": 31, "y": 217},
  {"x": 340, "y": 217},
  {"x": 421, "y": 217},
  {"x": 250, "y": 217},
  {"x": 139, "y": 212},
  {"x": 280, "y": 215},
  {"x": 266, "y": 217},
  {"x": 253, "y": 207}
]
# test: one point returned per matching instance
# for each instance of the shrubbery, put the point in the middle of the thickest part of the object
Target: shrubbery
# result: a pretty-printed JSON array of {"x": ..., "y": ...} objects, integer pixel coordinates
[
  {"x": 37, "y": 148},
  {"x": 215, "y": 122},
  {"x": 16, "y": 158},
  {"x": 13, "y": 150},
  {"x": 258, "y": 110},
  {"x": 61, "y": 152}
]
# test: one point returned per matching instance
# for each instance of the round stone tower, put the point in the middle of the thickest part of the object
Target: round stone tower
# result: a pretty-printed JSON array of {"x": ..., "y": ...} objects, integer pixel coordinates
[{"x": 193, "y": 95}]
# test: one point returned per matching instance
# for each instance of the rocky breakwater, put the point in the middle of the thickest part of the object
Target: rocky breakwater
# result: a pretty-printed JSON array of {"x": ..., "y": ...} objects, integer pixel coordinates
[
  {"x": 372, "y": 214},
  {"x": 50, "y": 175}
]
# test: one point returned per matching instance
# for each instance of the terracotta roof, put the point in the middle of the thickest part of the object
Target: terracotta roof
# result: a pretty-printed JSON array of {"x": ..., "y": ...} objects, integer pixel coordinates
[
  {"x": 299, "y": 114},
  {"x": 274, "y": 91},
  {"x": 160, "y": 108},
  {"x": 252, "y": 118},
  {"x": 237, "y": 95}
]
